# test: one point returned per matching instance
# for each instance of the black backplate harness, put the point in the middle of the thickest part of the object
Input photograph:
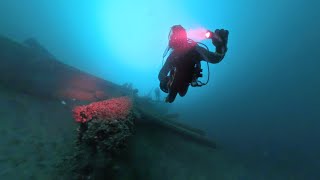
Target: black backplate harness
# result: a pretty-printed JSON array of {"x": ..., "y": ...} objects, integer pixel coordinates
[{"x": 197, "y": 72}]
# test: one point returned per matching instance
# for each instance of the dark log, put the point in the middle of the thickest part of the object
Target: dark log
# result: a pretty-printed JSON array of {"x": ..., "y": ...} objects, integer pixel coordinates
[{"x": 149, "y": 117}]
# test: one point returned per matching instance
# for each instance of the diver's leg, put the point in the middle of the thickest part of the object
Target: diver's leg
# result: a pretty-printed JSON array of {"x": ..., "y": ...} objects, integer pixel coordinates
[
  {"x": 172, "y": 95},
  {"x": 183, "y": 90}
]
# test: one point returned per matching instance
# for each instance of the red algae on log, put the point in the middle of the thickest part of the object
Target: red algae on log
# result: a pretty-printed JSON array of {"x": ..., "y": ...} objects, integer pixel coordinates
[
  {"x": 104, "y": 131},
  {"x": 115, "y": 108}
]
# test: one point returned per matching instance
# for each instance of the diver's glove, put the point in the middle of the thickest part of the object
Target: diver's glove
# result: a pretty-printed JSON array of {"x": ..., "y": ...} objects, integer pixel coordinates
[
  {"x": 220, "y": 40},
  {"x": 164, "y": 84}
]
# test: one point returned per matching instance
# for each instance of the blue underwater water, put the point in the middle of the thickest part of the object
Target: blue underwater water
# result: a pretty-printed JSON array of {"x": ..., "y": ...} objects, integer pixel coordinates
[{"x": 262, "y": 103}]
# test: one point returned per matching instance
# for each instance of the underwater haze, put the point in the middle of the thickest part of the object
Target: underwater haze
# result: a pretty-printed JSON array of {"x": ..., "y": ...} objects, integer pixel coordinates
[{"x": 262, "y": 103}]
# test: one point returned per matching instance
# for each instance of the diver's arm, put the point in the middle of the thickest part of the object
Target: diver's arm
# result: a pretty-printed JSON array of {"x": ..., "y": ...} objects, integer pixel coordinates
[
  {"x": 220, "y": 41},
  {"x": 211, "y": 57},
  {"x": 166, "y": 68}
]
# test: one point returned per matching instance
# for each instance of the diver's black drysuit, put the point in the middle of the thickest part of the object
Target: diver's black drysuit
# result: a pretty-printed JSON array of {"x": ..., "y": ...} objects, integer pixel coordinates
[{"x": 184, "y": 65}]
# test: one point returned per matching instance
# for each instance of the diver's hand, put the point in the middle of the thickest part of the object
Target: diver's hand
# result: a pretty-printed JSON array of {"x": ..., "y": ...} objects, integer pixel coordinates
[{"x": 220, "y": 39}]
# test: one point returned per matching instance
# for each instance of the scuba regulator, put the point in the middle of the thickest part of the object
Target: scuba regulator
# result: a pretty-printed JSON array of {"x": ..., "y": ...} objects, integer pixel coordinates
[{"x": 197, "y": 74}]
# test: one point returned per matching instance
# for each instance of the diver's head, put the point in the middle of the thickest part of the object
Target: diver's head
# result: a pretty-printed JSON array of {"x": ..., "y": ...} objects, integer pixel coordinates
[{"x": 178, "y": 37}]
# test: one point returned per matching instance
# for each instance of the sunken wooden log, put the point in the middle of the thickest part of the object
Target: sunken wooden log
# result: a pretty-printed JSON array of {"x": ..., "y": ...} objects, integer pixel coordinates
[
  {"x": 149, "y": 117},
  {"x": 160, "y": 109},
  {"x": 192, "y": 129}
]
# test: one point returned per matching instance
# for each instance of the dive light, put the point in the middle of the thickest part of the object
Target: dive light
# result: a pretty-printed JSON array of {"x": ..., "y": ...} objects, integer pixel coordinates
[{"x": 209, "y": 34}]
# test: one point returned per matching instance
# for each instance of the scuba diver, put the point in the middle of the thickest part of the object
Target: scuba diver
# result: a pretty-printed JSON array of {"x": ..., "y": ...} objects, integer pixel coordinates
[{"x": 184, "y": 62}]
